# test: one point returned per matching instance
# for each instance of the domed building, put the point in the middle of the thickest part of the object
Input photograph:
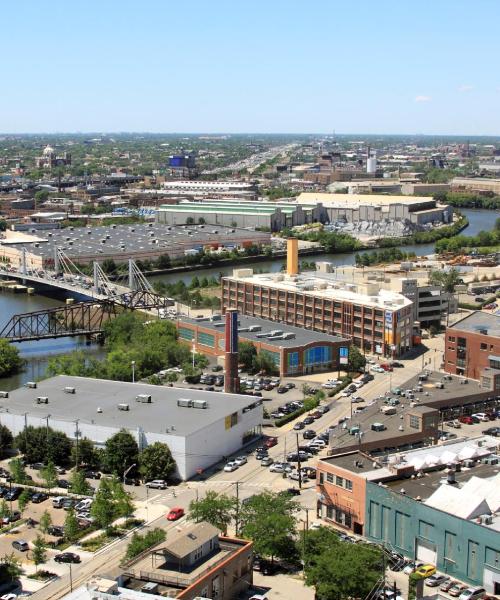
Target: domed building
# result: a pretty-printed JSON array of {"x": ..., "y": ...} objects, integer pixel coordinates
[{"x": 49, "y": 159}]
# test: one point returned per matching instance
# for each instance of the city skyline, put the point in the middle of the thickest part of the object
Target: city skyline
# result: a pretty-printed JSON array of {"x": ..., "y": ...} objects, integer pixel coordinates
[{"x": 279, "y": 68}]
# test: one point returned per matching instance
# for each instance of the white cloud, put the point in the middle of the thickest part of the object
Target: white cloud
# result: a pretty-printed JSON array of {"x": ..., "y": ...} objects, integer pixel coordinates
[
  {"x": 465, "y": 88},
  {"x": 423, "y": 99}
]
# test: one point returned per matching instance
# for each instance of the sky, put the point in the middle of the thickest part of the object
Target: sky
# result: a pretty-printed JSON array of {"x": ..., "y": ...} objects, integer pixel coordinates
[{"x": 268, "y": 66}]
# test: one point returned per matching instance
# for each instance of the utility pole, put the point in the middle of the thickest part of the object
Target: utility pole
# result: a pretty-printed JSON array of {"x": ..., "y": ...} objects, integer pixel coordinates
[
  {"x": 237, "y": 515},
  {"x": 76, "y": 444},
  {"x": 298, "y": 462}
]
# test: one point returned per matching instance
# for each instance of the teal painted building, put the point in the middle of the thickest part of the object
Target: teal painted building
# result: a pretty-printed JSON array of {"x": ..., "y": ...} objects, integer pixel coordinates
[{"x": 464, "y": 549}]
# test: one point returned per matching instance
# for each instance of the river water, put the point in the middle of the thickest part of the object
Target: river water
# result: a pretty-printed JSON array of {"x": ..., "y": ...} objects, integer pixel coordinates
[{"x": 37, "y": 354}]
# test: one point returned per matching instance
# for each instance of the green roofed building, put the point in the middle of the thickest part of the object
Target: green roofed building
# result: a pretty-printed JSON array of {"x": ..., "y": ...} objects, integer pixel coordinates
[{"x": 274, "y": 216}]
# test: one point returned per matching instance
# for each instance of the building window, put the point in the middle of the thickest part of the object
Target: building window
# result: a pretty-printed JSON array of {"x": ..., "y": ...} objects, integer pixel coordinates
[
  {"x": 186, "y": 334},
  {"x": 414, "y": 422},
  {"x": 319, "y": 355},
  {"x": 293, "y": 360},
  {"x": 329, "y": 477},
  {"x": 206, "y": 339},
  {"x": 348, "y": 484},
  {"x": 484, "y": 346},
  {"x": 339, "y": 481}
]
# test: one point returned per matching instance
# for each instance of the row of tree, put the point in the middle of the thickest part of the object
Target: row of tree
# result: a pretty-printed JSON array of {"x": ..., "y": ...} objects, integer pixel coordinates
[
  {"x": 50, "y": 447},
  {"x": 460, "y": 243}
]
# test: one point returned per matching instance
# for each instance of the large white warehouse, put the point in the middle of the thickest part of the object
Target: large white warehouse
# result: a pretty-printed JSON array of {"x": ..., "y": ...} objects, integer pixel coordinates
[{"x": 199, "y": 427}]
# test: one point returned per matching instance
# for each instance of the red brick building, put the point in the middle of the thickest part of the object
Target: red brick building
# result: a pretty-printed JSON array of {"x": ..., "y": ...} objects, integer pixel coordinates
[{"x": 473, "y": 345}]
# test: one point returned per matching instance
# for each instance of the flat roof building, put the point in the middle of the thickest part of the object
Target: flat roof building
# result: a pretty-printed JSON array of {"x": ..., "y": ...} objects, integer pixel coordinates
[
  {"x": 376, "y": 320},
  {"x": 293, "y": 350},
  {"x": 473, "y": 345},
  {"x": 199, "y": 427},
  {"x": 122, "y": 242}
]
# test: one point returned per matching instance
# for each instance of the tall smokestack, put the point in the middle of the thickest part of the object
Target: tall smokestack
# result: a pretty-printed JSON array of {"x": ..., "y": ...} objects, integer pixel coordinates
[
  {"x": 231, "y": 379},
  {"x": 292, "y": 256}
]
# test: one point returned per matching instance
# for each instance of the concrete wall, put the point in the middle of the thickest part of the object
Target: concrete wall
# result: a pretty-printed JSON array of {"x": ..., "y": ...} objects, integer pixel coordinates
[{"x": 464, "y": 549}]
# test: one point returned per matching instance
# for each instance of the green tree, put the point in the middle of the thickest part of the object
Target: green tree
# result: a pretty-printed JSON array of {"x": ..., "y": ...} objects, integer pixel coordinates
[
  {"x": 448, "y": 280},
  {"x": 103, "y": 508},
  {"x": 163, "y": 262},
  {"x": 121, "y": 452},
  {"x": 4, "y": 509},
  {"x": 49, "y": 475},
  {"x": 217, "y": 509},
  {"x": 42, "y": 444},
  {"x": 78, "y": 484},
  {"x": 39, "y": 553},
  {"x": 41, "y": 196},
  {"x": 71, "y": 527},
  {"x": 17, "y": 471},
  {"x": 85, "y": 453},
  {"x": 247, "y": 354},
  {"x": 109, "y": 266},
  {"x": 6, "y": 439},
  {"x": 357, "y": 361},
  {"x": 138, "y": 543},
  {"x": 10, "y": 360},
  {"x": 10, "y": 568},
  {"x": 124, "y": 506},
  {"x": 190, "y": 221},
  {"x": 156, "y": 462},
  {"x": 340, "y": 571},
  {"x": 268, "y": 519},
  {"x": 171, "y": 377},
  {"x": 263, "y": 363},
  {"x": 45, "y": 521},
  {"x": 23, "y": 500}
]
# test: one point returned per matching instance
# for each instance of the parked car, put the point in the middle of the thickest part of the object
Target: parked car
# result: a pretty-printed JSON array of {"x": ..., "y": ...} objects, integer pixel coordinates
[
  {"x": 63, "y": 483},
  {"x": 157, "y": 484},
  {"x": 267, "y": 461},
  {"x": 447, "y": 585},
  {"x": 295, "y": 476},
  {"x": 410, "y": 568},
  {"x": 467, "y": 420},
  {"x": 230, "y": 466},
  {"x": 472, "y": 593},
  {"x": 457, "y": 589},
  {"x": 436, "y": 579},
  {"x": 39, "y": 497},
  {"x": 309, "y": 434},
  {"x": 20, "y": 545},
  {"x": 56, "y": 531},
  {"x": 270, "y": 442},
  {"x": 68, "y": 503},
  {"x": 13, "y": 494},
  {"x": 277, "y": 468},
  {"x": 57, "y": 501},
  {"x": 240, "y": 460},
  {"x": 12, "y": 517},
  {"x": 67, "y": 557},
  {"x": 481, "y": 416},
  {"x": 299, "y": 425},
  {"x": 494, "y": 431},
  {"x": 175, "y": 514}
]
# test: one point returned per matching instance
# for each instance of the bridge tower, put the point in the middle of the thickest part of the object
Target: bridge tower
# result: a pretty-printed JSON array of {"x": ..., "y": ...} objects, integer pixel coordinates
[
  {"x": 57, "y": 268},
  {"x": 96, "y": 277},
  {"x": 131, "y": 278},
  {"x": 23, "y": 263}
]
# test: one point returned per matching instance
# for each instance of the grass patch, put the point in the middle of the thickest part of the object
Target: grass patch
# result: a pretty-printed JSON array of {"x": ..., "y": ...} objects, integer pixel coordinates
[
  {"x": 12, "y": 526},
  {"x": 97, "y": 542},
  {"x": 43, "y": 575}
]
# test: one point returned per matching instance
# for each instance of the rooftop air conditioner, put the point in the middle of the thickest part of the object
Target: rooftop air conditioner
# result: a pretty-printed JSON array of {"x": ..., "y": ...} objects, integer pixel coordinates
[
  {"x": 184, "y": 402},
  {"x": 42, "y": 400},
  {"x": 144, "y": 398},
  {"x": 31, "y": 384},
  {"x": 200, "y": 404},
  {"x": 4, "y": 394},
  {"x": 123, "y": 406},
  {"x": 69, "y": 390}
]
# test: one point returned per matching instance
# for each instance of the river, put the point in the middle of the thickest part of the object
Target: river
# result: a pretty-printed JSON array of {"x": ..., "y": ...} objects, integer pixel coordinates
[{"x": 36, "y": 354}]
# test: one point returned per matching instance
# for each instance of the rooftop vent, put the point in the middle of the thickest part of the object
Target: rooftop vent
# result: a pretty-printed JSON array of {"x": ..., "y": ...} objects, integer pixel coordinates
[
  {"x": 184, "y": 402},
  {"x": 144, "y": 398},
  {"x": 31, "y": 384},
  {"x": 200, "y": 404},
  {"x": 4, "y": 394},
  {"x": 123, "y": 406},
  {"x": 69, "y": 390},
  {"x": 42, "y": 400}
]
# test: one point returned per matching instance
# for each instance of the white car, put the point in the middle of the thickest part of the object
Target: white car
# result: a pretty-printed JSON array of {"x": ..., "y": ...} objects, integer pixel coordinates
[
  {"x": 157, "y": 484},
  {"x": 318, "y": 442},
  {"x": 481, "y": 416},
  {"x": 240, "y": 460},
  {"x": 329, "y": 386},
  {"x": 231, "y": 466},
  {"x": 277, "y": 468},
  {"x": 295, "y": 476}
]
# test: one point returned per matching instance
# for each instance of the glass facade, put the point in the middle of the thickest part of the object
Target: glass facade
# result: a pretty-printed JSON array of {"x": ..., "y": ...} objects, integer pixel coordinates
[
  {"x": 319, "y": 355},
  {"x": 186, "y": 334},
  {"x": 206, "y": 339}
]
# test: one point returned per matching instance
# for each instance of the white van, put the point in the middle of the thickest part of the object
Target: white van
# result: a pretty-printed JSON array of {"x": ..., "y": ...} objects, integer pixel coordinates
[{"x": 84, "y": 505}]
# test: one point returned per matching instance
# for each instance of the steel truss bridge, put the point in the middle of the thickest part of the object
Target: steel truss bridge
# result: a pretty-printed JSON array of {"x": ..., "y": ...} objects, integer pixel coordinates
[{"x": 82, "y": 318}]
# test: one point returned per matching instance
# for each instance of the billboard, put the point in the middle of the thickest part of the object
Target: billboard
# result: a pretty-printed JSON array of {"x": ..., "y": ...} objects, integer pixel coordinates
[{"x": 343, "y": 355}]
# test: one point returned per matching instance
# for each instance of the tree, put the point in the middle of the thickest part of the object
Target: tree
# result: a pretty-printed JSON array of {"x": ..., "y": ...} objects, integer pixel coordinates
[
  {"x": 138, "y": 543},
  {"x": 39, "y": 553},
  {"x": 71, "y": 527},
  {"x": 156, "y": 462},
  {"x": 41, "y": 196},
  {"x": 357, "y": 361},
  {"x": 448, "y": 280},
  {"x": 171, "y": 377},
  {"x": 247, "y": 354},
  {"x": 163, "y": 262},
  {"x": 45, "y": 521},
  {"x": 103, "y": 508},
  {"x": 17, "y": 471},
  {"x": 121, "y": 452},
  {"x": 201, "y": 221},
  {"x": 217, "y": 509},
  {"x": 49, "y": 474},
  {"x": 190, "y": 221},
  {"x": 42, "y": 444},
  {"x": 337, "y": 570},
  {"x": 10, "y": 568},
  {"x": 124, "y": 506},
  {"x": 268, "y": 519},
  {"x": 6, "y": 439},
  {"x": 10, "y": 360},
  {"x": 109, "y": 266},
  {"x": 263, "y": 363},
  {"x": 78, "y": 484},
  {"x": 4, "y": 509},
  {"x": 23, "y": 500},
  {"x": 84, "y": 453}
]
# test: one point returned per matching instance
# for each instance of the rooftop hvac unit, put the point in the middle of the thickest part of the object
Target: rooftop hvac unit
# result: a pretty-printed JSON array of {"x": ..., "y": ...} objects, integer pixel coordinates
[
  {"x": 184, "y": 402},
  {"x": 288, "y": 336},
  {"x": 42, "y": 400},
  {"x": 487, "y": 519},
  {"x": 69, "y": 390},
  {"x": 469, "y": 463},
  {"x": 123, "y": 406},
  {"x": 254, "y": 328},
  {"x": 144, "y": 398},
  {"x": 31, "y": 384},
  {"x": 200, "y": 404},
  {"x": 4, "y": 394}
]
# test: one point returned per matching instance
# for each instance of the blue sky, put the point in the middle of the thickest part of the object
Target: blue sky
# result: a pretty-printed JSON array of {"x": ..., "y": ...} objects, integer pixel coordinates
[{"x": 356, "y": 66}]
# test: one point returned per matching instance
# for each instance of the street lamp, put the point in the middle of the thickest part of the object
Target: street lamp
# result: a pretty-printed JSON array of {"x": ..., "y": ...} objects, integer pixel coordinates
[
  {"x": 127, "y": 471},
  {"x": 193, "y": 352},
  {"x": 133, "y": 371}
]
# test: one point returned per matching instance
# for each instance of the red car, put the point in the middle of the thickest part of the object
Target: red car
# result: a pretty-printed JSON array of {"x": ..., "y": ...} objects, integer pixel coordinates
[
  {"x": 270, "y": 442},
  {"x": 387, "y": 367},
  {"x": 175, "y": 513},
  {"x": 467, "y": 420}
]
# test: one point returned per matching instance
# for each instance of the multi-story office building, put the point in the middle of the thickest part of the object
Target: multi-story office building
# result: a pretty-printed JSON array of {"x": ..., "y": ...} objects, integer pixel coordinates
[
  {"x": 376, "y": 320},
  {"x": 473, "y": 347}
]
